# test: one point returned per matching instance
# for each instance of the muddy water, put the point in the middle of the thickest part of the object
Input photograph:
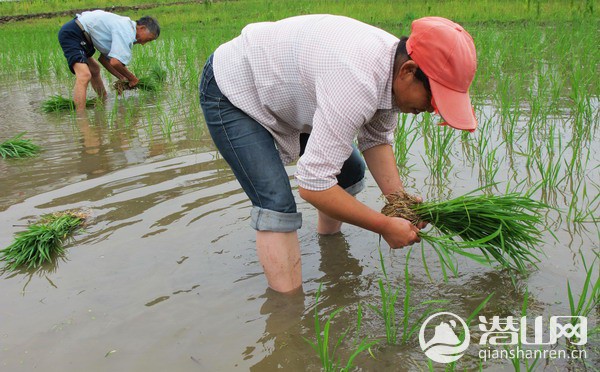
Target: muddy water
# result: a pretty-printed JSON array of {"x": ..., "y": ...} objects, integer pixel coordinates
[{"x": 165, "y": 276}]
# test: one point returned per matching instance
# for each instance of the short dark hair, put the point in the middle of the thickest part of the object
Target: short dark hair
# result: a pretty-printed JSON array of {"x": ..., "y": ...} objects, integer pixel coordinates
[
  {"x": 151, "y": 24},
  {"x": 403, "y": 56}
]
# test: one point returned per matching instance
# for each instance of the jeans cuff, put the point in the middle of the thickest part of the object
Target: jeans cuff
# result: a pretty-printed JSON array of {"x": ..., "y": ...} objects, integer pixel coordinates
[
  {"x": 356, "y": 188},
  {"x": 267, "y": 220}
]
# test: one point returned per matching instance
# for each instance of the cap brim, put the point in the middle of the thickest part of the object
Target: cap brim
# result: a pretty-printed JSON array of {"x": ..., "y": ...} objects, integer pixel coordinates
[{"x": 455, "y": 107}]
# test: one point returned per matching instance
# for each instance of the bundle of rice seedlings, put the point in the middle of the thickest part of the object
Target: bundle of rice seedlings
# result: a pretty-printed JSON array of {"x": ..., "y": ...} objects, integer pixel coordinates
[
  {"x": 18, "y": 147},
  {"x": 148, "y": 84},
  {"x": 42, "y": 240},
  {"x": 158, "y": 73},
  {"x": 59, "y": 103},
  {"x": 504, "y": 228}
]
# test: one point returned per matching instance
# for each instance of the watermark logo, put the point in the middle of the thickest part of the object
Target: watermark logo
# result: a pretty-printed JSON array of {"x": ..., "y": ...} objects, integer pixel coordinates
[
  {"x": 451, "y": 337},
  {"x": 445, "y": 346},
  {"x": 511, "y": 330}
]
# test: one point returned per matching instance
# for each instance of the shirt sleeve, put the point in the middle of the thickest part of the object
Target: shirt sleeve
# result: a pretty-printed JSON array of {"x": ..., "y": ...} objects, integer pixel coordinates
[
  {"x": 379, "y": 130},
  {"x": 346, "y": 101},
  {"x": 120, "y": 47}
]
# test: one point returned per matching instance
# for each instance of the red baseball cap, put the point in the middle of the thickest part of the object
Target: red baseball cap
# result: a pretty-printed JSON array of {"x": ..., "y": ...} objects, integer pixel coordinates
[{"x": 446, "y": 54}]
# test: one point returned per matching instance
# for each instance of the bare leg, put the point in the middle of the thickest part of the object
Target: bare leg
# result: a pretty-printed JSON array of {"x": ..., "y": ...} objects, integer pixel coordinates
[
  {"x": 279, "y": 254},
  {"x": 327, "y": 225},
  {"x": 97, "y": 83},
  {"x": 82, "y": 78}
]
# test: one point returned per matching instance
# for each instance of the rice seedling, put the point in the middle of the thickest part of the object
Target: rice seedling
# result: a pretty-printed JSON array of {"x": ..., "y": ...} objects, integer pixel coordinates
[
  {"x": 42, "y": 240},
  {"x": 404, "y": 139},
  {"x": 329, "y": 360},
  {"x": 387, "y": 309},
  {"x": 589, "y": 298},
  {"x": 158, "y": 73},
  {"x": 146, "y": 83},
  {"x": 489, "y": 167},
  {"x": 586, "y": 213},
  {"x": 461, "y": 336},
  {"x": 166, "y": 126},
  {"x": 550, "y": 171},
  {"x": 504, "y": 228},
  {"x": 437, "y": 148},
  {"x": 515, "y": 359},
  {"x": 17, "y": 147},
  {"x": 507, "y": 98},
  {"x": 59, "y": 103},
  {"x": 426, "y": 308}
]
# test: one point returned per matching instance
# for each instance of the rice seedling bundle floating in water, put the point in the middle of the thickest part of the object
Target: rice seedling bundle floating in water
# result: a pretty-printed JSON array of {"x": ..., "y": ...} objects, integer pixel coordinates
[
  {"x": 18, "y": 147},
  {"x": 60, "y": 103},
  {"x": 42, "y": 240},
  {"x": 504, "y": 228},
  {"x": 148, "y": 84}
]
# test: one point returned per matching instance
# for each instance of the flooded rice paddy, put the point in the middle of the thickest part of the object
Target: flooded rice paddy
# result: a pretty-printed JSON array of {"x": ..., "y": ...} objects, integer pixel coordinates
[{"x": 165, "y": 275}]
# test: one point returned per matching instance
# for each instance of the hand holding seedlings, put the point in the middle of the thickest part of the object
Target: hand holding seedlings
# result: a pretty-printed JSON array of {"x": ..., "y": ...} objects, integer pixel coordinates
[
  {"x": 503, "y": 227},
  {"x": 144, "y": 83},
  {"x": 400, "y": 233},
  {"x": 133, "y": 82}
]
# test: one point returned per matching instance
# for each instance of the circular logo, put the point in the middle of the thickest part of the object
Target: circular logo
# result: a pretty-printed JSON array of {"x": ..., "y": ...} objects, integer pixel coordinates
[{"x": 445, "y": 346}]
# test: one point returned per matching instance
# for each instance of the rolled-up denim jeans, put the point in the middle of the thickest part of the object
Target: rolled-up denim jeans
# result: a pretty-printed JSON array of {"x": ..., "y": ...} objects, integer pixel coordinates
[{"x": 250, "y": 151}]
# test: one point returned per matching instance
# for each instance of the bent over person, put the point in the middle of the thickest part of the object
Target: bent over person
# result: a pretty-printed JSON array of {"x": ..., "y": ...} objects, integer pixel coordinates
[
  {"x": 113, "y": 36},
  {"x": 306, "y": 87}
]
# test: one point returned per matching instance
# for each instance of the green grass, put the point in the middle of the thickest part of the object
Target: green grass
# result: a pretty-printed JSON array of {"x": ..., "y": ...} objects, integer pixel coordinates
[
  {"x": 18, "y": 147},
  {"x": 42, "y": 240}
]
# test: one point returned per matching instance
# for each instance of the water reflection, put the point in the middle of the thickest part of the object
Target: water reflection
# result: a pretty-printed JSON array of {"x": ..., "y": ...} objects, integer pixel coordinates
[
  {"x": 104, "y": 148},
  {"x": 287, "y": 316},
  {"x": 283, "y": 323},
  {"x": 93, "y": 155},
  {"x": 341, "y": 272}
]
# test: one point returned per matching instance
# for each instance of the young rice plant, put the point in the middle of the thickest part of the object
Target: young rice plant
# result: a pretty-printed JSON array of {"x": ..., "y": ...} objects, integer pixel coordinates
[
  {"x": 59, "y": 103},
  {"x": 504, "y": 228},
  {"x": 387, "y": 311},
  {"x": 18, "y": 147},
  {"x": 329, "y": 361},
  {"x": 42, "y": 240}
]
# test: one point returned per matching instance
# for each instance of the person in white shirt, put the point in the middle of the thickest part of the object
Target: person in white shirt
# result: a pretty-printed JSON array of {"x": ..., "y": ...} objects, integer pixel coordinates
[
  {"x": 113, "y": 36},
  {"x": 305, "y": 88}
]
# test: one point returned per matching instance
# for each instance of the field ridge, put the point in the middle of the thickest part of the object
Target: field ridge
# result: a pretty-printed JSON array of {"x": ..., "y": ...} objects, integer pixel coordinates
[{"x": 120, "y": 8}]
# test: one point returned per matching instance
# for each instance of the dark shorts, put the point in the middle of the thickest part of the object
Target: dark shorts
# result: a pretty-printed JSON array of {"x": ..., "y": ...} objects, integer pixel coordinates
[
  {"x": 252, "y": 154},
  {"x": 74, "y": 45}
]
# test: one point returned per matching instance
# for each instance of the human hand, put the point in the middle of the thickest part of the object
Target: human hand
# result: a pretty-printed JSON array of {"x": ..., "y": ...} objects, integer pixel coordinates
[
  {"x": 133, "y": 82},
  {"x": 398, "y": 205},
  {"x": 399, "y": 233},
  {"x": 420, "y": 224}
]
